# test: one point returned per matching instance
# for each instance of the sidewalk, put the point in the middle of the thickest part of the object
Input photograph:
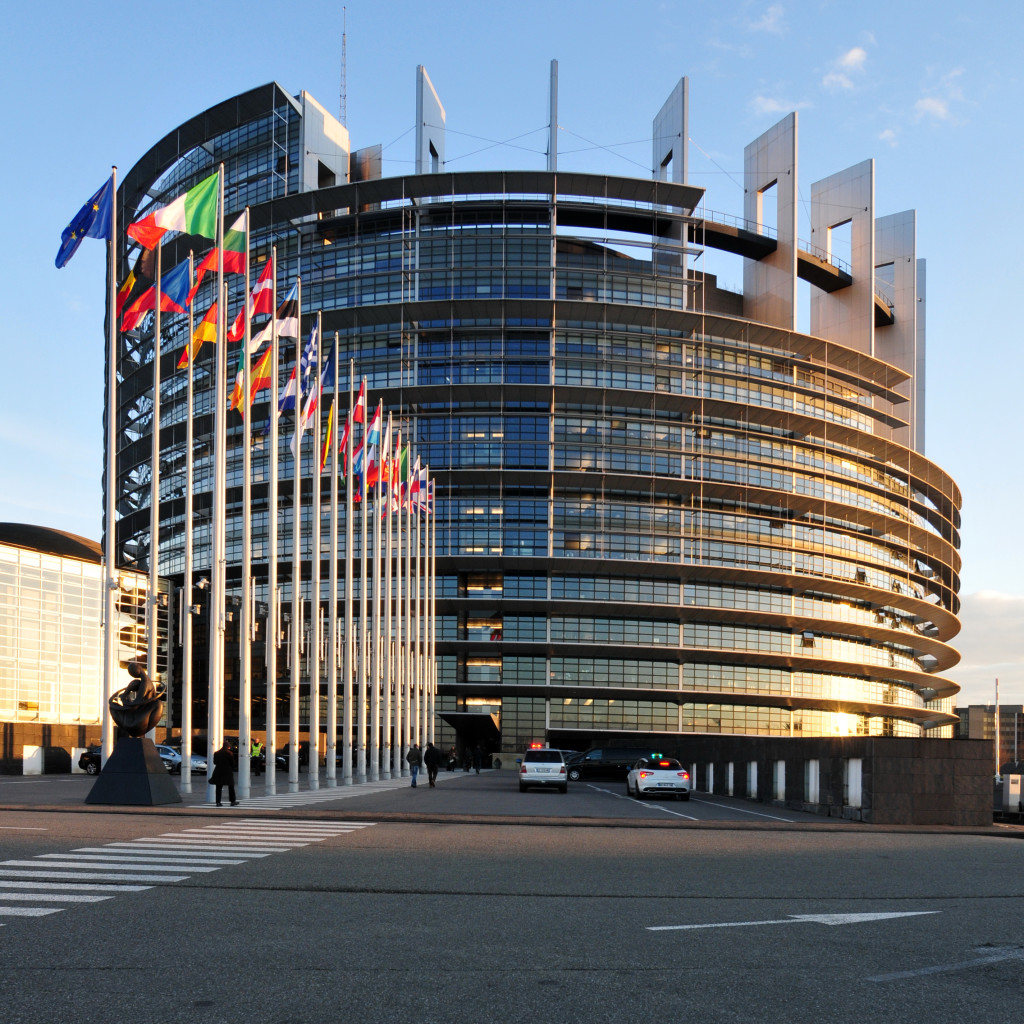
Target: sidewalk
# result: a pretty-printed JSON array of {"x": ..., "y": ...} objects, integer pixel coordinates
[
  {"x": 258, "y": 798},
  {"x": 57, "y": 791}
]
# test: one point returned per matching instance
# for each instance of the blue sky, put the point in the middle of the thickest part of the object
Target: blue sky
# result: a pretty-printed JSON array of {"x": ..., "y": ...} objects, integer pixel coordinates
[{"x": 933, "y": 91}]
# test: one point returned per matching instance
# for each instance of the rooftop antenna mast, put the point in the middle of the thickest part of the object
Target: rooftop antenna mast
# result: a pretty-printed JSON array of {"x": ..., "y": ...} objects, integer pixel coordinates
[{"x": 343, "y": 97}]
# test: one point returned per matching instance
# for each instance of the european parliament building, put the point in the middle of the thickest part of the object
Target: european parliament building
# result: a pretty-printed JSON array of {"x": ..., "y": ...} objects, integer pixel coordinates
[{"x": 661, "y": 508}]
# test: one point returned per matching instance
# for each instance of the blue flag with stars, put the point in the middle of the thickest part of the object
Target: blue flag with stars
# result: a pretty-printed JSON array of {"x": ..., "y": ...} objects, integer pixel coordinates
[{"x": 92, "y": 220}]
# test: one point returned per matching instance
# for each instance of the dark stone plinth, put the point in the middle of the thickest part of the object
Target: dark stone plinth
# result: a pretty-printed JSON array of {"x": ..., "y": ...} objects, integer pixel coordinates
[{"x": 134, "y": 775}]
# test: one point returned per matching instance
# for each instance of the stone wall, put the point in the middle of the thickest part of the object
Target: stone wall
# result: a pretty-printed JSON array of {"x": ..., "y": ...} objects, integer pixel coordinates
[{"x": 903, "y": 781}]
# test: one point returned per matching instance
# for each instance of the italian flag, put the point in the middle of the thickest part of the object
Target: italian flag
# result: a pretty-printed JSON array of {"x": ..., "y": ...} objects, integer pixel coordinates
[{"x": 193, "y": 212}]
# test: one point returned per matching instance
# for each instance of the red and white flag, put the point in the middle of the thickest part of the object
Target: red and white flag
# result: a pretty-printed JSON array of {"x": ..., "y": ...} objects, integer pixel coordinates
[{"x": 261, "y": 300}]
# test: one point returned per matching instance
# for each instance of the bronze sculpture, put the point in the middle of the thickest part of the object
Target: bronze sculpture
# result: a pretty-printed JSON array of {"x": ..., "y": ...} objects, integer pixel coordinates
[{"x": 137, "y": 707}]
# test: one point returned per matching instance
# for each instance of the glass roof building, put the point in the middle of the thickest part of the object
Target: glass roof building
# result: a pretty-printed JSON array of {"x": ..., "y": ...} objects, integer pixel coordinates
[{"x": 661, "y": 507}]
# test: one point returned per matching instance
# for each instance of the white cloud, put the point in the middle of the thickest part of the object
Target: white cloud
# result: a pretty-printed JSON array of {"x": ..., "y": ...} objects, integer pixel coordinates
[
  {"x": 939, "y": 99},
  {"x": 932, "y": 106},
  {"x": 770, "y": 21},
  {"x": 889, "y": 135},
  {"x": 769, "y": 105},
  {"x": 843, "y": 67},
  {"x": 853, "y": 60},
  {"x": 991, "y": 646}
]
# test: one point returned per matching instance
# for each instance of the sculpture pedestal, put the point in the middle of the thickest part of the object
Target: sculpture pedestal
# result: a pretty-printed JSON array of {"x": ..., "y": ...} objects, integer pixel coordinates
[{"x": 134, "y": 775}]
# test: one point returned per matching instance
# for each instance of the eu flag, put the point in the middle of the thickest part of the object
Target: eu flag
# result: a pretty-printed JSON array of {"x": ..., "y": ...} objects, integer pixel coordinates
[{"x": 93, "y": 220}]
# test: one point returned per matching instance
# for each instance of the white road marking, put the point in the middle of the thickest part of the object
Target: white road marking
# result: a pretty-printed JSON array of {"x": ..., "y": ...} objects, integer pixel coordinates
[
  {"x": 84, "y": 886},
  {"x": 193, "y": 851},
  {"x": 100, "y": 856},
  {"x": 829, "y": 919},
  {"x": 743, "y": 810},
  {"x": 184, "y": 849},
  {"x": 84, "y": 862},
  {"x": 53, "y": 897},
  {"x": 989, "y": 955},
  {"x": 633, "y": 800},
  {"x": 94, "y": 876},
  {"x": 23, "y": 828}
]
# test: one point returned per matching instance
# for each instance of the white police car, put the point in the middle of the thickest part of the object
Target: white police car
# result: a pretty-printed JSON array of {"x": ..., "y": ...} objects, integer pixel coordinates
[
  {"x": 542, "y": 766},
  {"x": 658, "y": 776}
]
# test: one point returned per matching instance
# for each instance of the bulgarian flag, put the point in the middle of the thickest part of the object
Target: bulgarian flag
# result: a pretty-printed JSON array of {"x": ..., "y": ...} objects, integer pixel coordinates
[
  {"x": 194, "y": 212},
  {"x": 234, "y": 256},
  {"x": 206, "y": 331}
]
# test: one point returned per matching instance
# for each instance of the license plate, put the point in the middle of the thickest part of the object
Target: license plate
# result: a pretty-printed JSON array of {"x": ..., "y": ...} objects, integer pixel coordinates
[
  {"x": 666, "y": 785},
  {"x": 543, "y": 771}
]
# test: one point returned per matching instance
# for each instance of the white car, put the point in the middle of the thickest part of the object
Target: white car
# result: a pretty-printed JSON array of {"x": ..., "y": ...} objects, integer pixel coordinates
[
  {"x": 543, "y": 767},
  {"x": 171, "y": 757},
  {"x": 654, "y": 776}
]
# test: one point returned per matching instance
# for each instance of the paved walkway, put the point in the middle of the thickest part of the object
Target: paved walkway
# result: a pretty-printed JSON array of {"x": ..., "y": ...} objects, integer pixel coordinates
[{"x": 259, "y": 800}]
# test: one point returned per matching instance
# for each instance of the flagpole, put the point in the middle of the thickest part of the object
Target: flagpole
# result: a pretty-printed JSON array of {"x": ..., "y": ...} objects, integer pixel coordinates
[
  {"x": 314, "y": 603},
  {"x": 410, "y": 723},
  {"x": 388, "y": 652},
  {"x": 245, "y": 624},
  {"x": 112, "y": 585},
  {"x": 332, "y": 601},
  {"x": 187, "y": 604},
  {"x": 297, "y": 603},
  {"x": 152, "y": 636},
  {"x": 375, "y": 670},
  {"x": 432, "y": 610},
  {"x": 273, "y": 596},
  {"x": 363, "y": 631},
  {"x": 215, "y": 701},
  {"x": 421, "y": 709},
  {"x": 347, "y": 705},
  {"x": 398, "y": 750}
]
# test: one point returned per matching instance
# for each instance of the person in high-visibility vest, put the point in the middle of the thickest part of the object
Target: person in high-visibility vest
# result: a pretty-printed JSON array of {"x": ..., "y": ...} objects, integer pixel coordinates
[{"x": 256, "y": 756}]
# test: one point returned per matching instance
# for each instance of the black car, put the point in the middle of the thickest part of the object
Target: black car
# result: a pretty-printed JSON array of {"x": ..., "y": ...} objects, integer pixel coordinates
[
  {"x": 605, "y": 762},
  {"x": 91, "y": 760}
]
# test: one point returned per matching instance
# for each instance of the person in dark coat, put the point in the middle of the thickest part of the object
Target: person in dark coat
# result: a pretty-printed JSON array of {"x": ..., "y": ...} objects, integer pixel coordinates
[
  {"x": 415, "y": 759},
  {"x": 432, "y": 759},
  {"x": 224, "y": 772},
  {"x": 478, "y": 758}
]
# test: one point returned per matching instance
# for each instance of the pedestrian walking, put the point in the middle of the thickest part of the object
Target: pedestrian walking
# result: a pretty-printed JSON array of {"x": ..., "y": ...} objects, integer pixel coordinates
[
  {"x": 432, "y": 759},
  {"x": 478, "y": 758},
  {"x": 415, "y": 759},
  {"x": 467, "y": 759},
  {"x": 453, "y": 759},
  {"x": 224, "y": 772}
]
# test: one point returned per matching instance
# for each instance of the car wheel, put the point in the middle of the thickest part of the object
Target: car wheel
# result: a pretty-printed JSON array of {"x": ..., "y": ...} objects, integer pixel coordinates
[
  {"x": 564, "y": 788},
  {"x": 522, "y": 787},
  {"x": 574, "y": 775},
  {"x": 92, "y": 768},
  {"x": 686, "y": 796},
  {"x": 629, "y": 792}
]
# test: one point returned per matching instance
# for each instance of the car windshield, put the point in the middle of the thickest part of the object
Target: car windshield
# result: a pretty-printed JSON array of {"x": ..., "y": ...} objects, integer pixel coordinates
[{"x": 543, "y": 755}]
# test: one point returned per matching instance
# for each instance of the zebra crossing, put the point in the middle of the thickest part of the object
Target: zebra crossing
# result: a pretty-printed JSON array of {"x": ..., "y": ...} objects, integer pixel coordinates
[{"x": 52, "y": 882}]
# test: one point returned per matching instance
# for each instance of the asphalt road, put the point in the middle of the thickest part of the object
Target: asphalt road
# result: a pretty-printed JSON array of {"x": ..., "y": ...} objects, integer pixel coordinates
[{"x": 382, "y": 907}]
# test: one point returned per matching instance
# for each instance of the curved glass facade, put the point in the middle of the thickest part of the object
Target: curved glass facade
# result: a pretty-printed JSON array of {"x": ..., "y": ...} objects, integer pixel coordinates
[{"x": 653, "y": 513}]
